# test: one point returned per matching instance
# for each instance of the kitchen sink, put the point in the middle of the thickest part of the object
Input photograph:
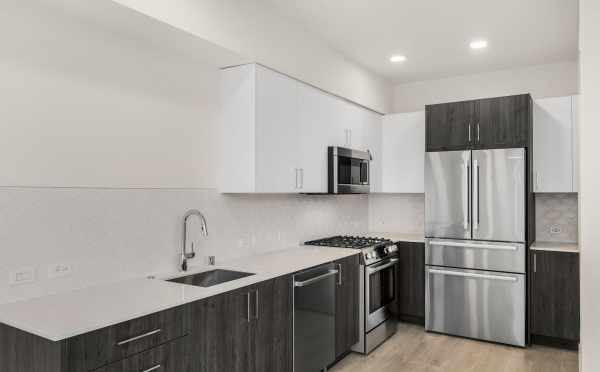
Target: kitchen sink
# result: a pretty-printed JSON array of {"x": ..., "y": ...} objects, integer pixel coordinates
[{"x": 210, "y": 278}]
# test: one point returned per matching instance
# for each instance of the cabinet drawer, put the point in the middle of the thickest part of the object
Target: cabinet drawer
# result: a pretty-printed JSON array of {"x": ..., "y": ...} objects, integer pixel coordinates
[
  {"x": 170, "y": 357},
  {"x": 99, "y": 348}
]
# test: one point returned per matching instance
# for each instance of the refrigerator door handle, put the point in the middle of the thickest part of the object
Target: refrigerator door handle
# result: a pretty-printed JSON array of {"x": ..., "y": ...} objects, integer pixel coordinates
[
  {"x": 466, "y": 196},
  {"x": 476, "y": 195}
]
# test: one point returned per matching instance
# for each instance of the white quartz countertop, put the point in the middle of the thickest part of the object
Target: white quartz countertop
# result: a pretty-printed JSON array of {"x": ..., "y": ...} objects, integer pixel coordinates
[
  {"x": 60, "y": 316},
  {"x": 555, "y": 247},
  {"x": 398, "y": 237}
]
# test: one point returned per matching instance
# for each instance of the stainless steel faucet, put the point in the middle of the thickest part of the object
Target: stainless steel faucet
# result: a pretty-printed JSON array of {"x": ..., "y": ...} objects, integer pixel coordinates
[{"x": 184, "y": 254}]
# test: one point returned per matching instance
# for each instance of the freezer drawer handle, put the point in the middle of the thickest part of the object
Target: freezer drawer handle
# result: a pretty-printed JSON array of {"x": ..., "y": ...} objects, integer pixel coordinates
[
  {"x": 480, "y": 246},
  {"x": 472, "y": 275},
  {"x": 315, "y": 279}
]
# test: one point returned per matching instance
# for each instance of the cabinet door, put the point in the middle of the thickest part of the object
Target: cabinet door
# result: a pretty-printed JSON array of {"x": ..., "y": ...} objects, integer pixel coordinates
[
  {"x": 221, "y": 333},
  {"x": 271, "y": 341},
  {"x": 574, "y": 142},
  {"x": 553, "y": 145},
  {"x": 403, "y": 153},
  {"x": 314, "y": 117},
  {"x": 277, "y": 145},
  {"x": 555, "y": 294},
  {"x": 503, "y": 122},
  {"x": 449, "y": 126},
  {"x": 346, "y": 304},
  {"x": 411, "y": 282}
]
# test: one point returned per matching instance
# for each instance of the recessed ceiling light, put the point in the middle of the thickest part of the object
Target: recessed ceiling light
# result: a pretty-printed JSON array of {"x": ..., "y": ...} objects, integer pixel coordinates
[
  {"x": 478, "y": 44},
  {"x": 398, "y": 58}
]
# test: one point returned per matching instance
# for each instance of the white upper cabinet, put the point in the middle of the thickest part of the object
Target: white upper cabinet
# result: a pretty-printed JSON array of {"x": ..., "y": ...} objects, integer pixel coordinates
[
  {"x": 275, "y": 132},
  {"x": 403, "y": 153},
  {"x": 553, "y": 145}
]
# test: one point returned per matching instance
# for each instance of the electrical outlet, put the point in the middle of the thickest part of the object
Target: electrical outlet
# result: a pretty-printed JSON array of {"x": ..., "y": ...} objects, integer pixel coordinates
[
  {"x": 22, "y": 276},
  {"x": 555, "y": 229},
  {"x": 59, "y": 270}
]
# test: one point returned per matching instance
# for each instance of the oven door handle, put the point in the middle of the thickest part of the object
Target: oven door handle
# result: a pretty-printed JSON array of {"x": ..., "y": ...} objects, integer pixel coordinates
[{"x": 391, "y": 262}]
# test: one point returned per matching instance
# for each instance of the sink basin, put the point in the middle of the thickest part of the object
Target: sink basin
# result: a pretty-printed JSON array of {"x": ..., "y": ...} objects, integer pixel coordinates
[{"x": 210, "y": 278}]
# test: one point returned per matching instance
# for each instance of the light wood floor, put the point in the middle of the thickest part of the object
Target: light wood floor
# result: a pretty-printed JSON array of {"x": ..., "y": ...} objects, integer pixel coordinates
[{"x": 414, "y": 350}]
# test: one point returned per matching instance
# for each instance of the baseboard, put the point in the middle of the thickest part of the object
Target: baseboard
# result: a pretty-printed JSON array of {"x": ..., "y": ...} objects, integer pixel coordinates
[
  {"x": 555, "y": 342},
  {"x": 411, "y": 319}
]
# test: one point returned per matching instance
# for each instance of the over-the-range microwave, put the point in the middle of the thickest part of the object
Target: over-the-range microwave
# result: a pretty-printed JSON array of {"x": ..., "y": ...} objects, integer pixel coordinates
[{"x": 348, "y": 170}]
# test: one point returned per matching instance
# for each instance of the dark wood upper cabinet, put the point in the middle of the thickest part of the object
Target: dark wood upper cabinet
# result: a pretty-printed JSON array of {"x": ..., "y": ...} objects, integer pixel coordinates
[
  {"x": 449, "y": 126},
  {"x": 346, "y": 304},
  {"x": 411, "y": 282},
  {"x": 554, "y": 298},
  {"x": 501, "y": 122}
]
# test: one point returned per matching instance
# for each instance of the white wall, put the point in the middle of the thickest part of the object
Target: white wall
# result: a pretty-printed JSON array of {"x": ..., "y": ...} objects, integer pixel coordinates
[
  {"x": 258, "y": 31},
  {"x": 82, "y": 106},
  {"x": 559, "y": 79},
  {"x": 589, "y": 183},
  {"x": 105, "y": 143}
]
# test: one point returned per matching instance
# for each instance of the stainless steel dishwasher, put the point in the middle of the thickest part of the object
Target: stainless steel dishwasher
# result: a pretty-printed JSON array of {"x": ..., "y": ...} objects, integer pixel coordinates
[{"x": 314, "y": 318}]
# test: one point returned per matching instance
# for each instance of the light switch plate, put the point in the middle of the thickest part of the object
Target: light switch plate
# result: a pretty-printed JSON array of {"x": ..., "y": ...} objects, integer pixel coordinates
[{"x": 22, "y": 276}]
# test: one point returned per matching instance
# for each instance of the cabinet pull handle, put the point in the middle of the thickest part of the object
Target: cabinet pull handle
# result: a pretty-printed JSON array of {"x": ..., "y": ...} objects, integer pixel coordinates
[
  {"x": 537, "y": 181},
  {"x": 339, "y": 274},
  {"x": 256, "y": 306},
  {"x": 301, "y": 178},
  {"x": 248, "y": 308},
  {"x": 469, "y": 132},
  {"x": 152, "y": 368},
  {"x": 535, "y": 263},
  {"x": 148, "y": 334},
  {"x": 478, "y": 139}
]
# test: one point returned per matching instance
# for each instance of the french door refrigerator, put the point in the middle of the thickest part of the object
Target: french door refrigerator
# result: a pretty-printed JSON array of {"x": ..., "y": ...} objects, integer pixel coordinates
[{"x": 475, "y": 219}]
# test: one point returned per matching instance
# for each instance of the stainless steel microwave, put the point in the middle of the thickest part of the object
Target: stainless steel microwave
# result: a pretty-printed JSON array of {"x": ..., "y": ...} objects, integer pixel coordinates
[{"x": 348, "y": 171}]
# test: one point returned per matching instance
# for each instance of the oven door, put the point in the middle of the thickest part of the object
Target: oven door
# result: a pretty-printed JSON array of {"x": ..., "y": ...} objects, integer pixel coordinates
[{"x": 380, "y": 292}]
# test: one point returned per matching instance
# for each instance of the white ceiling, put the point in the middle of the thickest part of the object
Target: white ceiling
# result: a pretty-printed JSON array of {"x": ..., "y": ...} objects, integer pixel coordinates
[{"x": 434, "y": 34}]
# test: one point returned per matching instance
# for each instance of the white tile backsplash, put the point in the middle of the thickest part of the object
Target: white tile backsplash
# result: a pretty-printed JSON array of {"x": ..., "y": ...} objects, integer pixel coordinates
[
  {"x": 402, "y": 213},
  {"x": 114, "y": 234},
  {"x": 556, "y": 218}
]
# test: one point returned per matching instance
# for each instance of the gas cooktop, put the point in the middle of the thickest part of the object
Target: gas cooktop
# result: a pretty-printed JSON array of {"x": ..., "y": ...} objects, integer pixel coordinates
[{"x": 345, "y": 241}]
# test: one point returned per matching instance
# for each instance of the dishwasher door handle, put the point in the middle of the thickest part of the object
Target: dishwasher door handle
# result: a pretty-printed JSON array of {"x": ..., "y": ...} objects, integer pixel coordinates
[{"x": 317, "y": 278}]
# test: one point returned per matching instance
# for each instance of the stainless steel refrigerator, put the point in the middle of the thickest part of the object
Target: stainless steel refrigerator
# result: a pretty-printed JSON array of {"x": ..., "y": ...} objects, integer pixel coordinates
[{"x": 475, "y": 228}]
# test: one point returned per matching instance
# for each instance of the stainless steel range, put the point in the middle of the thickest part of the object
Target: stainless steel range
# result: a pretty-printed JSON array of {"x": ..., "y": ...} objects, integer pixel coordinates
[{"x": 378, "y": 293}]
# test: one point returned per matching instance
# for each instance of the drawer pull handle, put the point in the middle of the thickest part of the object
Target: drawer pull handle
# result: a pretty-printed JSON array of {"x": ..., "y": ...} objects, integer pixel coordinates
[
  {"x": 152, "y": 368},
  {"x": 124, "y": 342}
]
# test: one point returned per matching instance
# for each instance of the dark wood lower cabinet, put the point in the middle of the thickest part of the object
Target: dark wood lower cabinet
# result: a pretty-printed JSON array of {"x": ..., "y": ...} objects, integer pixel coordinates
[
  {"x": 554, "y": 297},
  {"x": 411, "y": 282},
  {"x": 346, "y": 304},
  {"x": 170, "y": 357},
  {"x": 271, "y": 336},
  {"x": 249, "y": 329}
]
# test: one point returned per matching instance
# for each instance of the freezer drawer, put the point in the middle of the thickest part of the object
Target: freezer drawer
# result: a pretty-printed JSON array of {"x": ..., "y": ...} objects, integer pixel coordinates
[
  {"x": 477, "y": 304},
  {"x": 480, "y": 255}
]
